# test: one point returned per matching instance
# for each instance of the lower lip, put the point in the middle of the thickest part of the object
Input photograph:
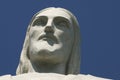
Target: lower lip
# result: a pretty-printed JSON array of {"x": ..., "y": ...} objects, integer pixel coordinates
[{"x": 45, "y": 38}]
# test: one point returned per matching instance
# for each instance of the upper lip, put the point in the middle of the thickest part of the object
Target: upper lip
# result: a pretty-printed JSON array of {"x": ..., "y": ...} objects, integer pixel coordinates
[{"x": 48, "y": 36}]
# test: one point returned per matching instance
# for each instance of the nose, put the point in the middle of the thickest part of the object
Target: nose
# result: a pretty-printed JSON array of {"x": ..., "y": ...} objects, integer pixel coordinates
[{"x": 49, "y": 28}]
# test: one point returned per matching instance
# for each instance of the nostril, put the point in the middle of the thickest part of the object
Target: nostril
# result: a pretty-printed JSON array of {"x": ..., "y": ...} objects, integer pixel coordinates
[{"x": 49, "y": 29}]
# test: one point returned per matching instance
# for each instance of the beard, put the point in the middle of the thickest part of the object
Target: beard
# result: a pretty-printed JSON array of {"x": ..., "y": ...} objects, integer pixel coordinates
[{"x": 42, "y": 51}]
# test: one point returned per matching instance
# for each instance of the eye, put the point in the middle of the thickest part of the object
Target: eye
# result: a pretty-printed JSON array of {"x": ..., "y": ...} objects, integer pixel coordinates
[
  {"x": 40, "y": 21},
  {"x": 61, "y": 22}
]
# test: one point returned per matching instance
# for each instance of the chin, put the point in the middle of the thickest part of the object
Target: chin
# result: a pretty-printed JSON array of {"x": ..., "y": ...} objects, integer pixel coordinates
[{"x": 46, "y": 56}]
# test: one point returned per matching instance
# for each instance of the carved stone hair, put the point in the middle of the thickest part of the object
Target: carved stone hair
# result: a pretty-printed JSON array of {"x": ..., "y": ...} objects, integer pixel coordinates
[{"x": 73, "y": 65}]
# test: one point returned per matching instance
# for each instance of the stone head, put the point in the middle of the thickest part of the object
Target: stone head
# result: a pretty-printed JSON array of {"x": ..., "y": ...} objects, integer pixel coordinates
[{"x": 52, "y": 37}]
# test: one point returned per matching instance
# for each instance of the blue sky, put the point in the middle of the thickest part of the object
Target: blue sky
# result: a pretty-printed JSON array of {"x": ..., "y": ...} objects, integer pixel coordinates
[{"x": 99, "y": 48}]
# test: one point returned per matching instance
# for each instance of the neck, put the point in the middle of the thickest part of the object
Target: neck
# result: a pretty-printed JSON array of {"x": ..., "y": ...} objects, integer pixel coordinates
[{"x": 48, "y": 68}]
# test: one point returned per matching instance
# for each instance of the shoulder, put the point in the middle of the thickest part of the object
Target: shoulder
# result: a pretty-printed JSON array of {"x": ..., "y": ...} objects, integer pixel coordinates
[{"x": 50, "y": 76}]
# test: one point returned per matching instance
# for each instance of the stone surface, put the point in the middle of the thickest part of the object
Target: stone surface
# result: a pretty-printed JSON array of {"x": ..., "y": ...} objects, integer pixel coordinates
[
  {"x": 50, "y": 76},
  {"x": 51, "y": 43}
]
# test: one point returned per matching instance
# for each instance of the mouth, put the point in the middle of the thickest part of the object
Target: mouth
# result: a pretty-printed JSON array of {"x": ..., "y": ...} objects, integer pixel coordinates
[{"x": 48, "y": 38}]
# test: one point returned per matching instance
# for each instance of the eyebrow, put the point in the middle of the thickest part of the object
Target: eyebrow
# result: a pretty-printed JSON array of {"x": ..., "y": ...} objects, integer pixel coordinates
[
  {"x": 61, "y": 17},
  {"x": 53, "y": 18},
  {"x": 40, "y": 17}
]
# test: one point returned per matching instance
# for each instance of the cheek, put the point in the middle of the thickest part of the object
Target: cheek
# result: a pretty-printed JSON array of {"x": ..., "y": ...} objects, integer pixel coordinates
[
  {"x": 67, "y": 35},
  {"x": 34, "y": 32}
]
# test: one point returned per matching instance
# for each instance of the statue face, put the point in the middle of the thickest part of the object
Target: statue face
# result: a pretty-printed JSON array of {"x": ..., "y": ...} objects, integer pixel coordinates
[{"x": 51, "y": 36}]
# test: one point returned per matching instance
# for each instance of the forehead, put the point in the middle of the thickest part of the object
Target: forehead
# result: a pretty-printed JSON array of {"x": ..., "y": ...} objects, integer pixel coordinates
[{"x": 54, "y": 13}]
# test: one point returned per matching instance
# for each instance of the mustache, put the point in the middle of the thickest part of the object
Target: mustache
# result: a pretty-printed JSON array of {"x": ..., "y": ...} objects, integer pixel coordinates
[{"x": 50, "y": 36}]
